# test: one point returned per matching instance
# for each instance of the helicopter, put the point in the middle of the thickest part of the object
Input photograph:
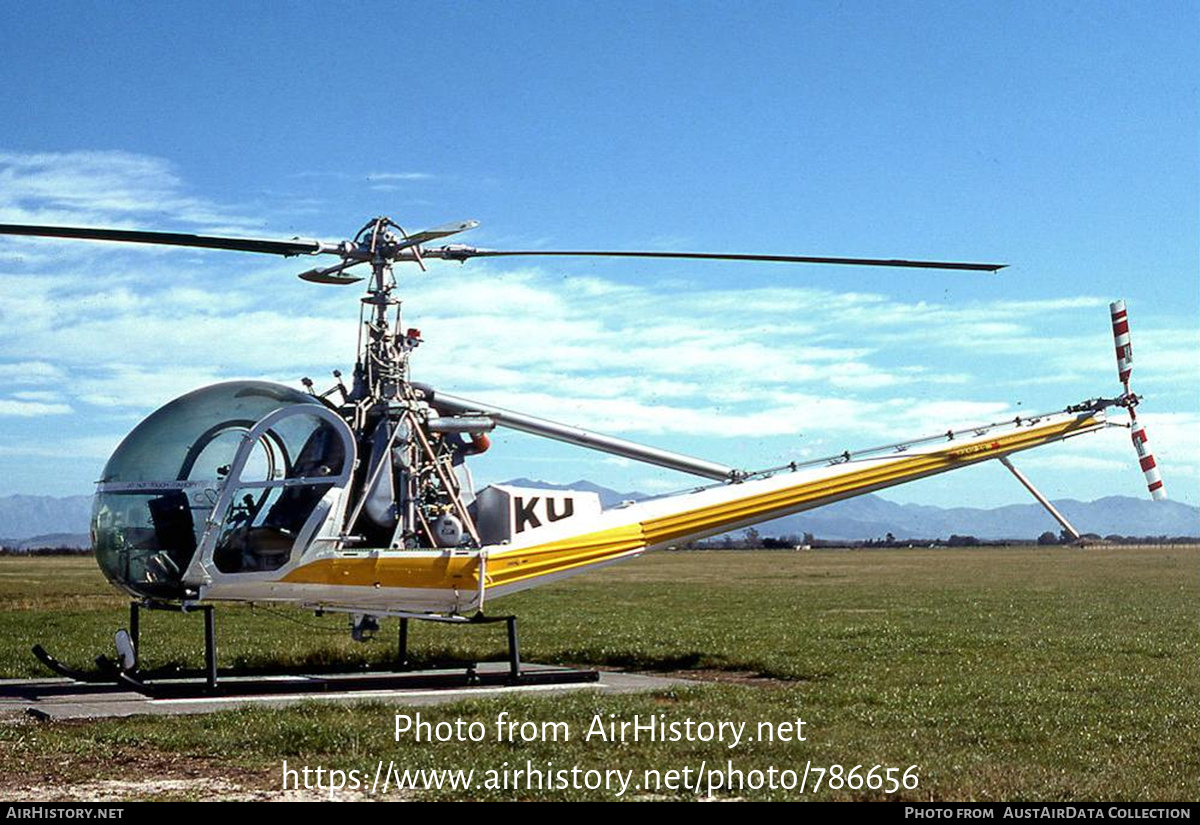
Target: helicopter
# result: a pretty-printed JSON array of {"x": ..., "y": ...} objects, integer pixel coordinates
[{"x": 358, "y": 499}]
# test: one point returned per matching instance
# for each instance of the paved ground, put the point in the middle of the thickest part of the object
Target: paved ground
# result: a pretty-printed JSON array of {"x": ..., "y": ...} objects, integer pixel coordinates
[{"x": 65, "y": 699}]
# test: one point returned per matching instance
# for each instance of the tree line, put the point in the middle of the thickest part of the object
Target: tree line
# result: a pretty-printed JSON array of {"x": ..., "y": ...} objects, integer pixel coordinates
[{"x": 752, "y": 539}]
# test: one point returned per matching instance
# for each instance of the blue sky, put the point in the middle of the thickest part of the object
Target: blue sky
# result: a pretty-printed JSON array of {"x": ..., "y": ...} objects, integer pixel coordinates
[{"x": 1062, "y": 139}]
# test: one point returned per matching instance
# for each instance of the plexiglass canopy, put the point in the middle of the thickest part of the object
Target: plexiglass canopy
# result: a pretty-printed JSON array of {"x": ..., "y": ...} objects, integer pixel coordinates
[{"x": 156, "y": 497}]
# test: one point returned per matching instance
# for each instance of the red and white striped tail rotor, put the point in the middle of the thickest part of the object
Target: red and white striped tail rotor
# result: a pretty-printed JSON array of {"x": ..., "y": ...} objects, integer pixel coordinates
[
  {"x": 1120, "y": 324},
  {"x": 1154, "y": 480}
]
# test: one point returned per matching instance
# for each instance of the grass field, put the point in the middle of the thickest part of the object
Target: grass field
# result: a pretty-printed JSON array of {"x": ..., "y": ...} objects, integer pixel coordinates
[{"x": 1023, "y": 674}]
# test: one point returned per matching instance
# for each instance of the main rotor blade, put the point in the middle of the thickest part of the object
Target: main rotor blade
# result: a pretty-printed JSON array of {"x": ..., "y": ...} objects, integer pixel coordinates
[
  {"x": 296, "y": 246},
  {"x": 462, "y": 253},
  {"x": 436, "y": 232}
]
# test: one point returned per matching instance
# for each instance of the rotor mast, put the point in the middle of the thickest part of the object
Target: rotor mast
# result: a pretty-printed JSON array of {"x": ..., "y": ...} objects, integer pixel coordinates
[
  {"x": 389, "y": 422},
  {"x": 383, "y": 360}
]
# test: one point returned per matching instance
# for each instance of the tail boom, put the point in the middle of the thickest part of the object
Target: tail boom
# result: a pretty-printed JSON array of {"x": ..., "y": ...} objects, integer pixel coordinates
[
  {"x": 662, "y": 522},
  {"x": 456, "y": 582}
]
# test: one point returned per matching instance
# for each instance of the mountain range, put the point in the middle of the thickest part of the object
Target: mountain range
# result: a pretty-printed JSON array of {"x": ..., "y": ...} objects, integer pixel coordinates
[
  {"x": 40, "y": 521},
  {"x": 44, "y": 521}
]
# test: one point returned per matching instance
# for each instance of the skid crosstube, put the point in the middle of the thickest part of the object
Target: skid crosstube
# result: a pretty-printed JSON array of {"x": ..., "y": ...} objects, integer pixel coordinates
[{"x": 173, "y": 682}]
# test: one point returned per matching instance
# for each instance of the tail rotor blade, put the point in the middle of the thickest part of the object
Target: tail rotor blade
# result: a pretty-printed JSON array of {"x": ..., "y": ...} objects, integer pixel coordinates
[
  {"x": 1154, "y": 482},
  {"x": 1120, "y": 325}
]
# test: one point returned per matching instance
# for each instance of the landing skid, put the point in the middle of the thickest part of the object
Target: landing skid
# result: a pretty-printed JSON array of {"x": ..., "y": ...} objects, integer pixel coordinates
[
  {"x": 70, "y": 672},
  {"x": 470, "y": 677},
  {"x": 174, "y": 682}
]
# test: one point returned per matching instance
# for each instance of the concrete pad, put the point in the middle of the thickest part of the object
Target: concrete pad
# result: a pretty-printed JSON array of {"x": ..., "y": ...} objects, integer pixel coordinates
[{"x": 65, "y": 699}]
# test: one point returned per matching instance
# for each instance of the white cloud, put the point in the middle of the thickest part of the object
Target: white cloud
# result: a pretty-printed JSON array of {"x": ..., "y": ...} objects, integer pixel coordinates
[
  {"x": 106, "y": 188},
  {"x": 30, "y": 372},
  {"x": 95, "y": 448},
  {"x": 1082, "y": 463},
  {"x": 400, "y": 176},
  {"x": 757, "y": 372},
  {"x": 29, "y": 409},
  {"x": 598, "y": 353},
  {"x": 37, "y": 395}
]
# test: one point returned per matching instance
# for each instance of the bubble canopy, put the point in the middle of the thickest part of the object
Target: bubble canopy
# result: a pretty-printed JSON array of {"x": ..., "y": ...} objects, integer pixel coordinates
[{"x": 161, "y": 494}]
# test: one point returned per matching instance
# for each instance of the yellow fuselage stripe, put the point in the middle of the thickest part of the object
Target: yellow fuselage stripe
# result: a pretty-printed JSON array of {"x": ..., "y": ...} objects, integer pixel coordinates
[{"x": 512, "y": 566}]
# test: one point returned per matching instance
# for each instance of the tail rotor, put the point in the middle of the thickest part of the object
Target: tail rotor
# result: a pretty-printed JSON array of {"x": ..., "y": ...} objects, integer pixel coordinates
[{"x": 1128, "y": 400}]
